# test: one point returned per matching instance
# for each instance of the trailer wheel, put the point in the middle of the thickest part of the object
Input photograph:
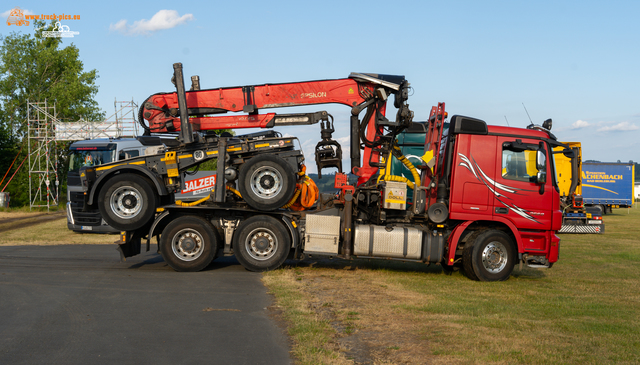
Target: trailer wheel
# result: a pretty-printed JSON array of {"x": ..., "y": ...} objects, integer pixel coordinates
[
  {"x": 489, "y": 257},
  {"x": 188, "y": 243},
  {"x": 261, "y": 243},
  {"x": 127, "y": 202},
  {"x": 267, "y": 182}
]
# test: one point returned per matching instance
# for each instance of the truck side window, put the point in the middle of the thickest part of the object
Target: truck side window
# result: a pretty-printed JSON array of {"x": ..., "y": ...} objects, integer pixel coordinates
[
  {"x": 124, "y": 154},
  {"x": 518, "y": 165}
]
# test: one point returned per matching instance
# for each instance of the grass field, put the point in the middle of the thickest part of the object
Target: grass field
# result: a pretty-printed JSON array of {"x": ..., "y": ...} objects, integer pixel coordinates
[
  {"x": 48, "y": 233},
  {"x": 585, "y": 310}
]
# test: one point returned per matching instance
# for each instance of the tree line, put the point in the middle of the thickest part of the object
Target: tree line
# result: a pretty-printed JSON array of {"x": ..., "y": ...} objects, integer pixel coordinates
[{"x": 35, "y": 68}]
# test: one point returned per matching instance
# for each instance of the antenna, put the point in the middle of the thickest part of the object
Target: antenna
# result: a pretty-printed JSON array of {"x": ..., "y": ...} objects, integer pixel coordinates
[
  {"x": 525, "y": 109},
  {"x": 505, "y": 118}
]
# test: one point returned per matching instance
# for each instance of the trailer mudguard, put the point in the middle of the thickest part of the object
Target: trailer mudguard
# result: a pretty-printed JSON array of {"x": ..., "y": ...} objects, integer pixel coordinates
[
  {"x": 153, "y": 228},
  {"x": 160, "y": 188}
]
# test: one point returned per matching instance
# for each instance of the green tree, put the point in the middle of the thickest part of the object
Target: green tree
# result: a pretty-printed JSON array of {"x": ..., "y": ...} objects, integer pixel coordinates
[{"x": 36, "y": 68}]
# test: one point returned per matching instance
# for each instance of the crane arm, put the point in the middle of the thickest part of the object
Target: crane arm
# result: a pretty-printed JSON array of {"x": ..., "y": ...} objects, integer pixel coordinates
[
  {"x": 162, "y": 111},
  {"x": 196, "y": 110}
]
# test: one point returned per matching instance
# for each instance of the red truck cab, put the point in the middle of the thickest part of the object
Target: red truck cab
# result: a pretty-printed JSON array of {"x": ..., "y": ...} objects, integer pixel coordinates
[{"x": 500, "y": 180}]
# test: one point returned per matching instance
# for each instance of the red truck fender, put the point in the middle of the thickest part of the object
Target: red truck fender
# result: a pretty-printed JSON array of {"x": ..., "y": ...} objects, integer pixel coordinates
[{"x": 455, "y": 235}]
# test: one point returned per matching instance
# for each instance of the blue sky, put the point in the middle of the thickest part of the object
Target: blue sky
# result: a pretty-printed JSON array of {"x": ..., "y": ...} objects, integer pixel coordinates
[{"x": 576, "y": 62}]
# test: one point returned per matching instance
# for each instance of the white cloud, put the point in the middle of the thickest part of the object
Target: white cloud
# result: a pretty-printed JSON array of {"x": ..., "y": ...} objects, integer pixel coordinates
[
  {"x": 622, "y": 126},
  {"x": 580, "y": 124},
  {"x": 164, "y": 19},
  {"x": 25, "y": 12},
  {"x": 120, "y": 26}
]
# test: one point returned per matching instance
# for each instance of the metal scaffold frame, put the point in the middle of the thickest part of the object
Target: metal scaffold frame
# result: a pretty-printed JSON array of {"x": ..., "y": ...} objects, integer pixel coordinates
[
  {"x": 125, "y": 115},
  {"x": 122, "y": 123},
  {"x": 42, "y": 153}
]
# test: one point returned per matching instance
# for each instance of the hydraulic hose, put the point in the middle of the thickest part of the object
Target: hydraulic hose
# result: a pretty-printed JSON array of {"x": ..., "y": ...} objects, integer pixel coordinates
[
  {"x": 385, "y": 171},
  {"x": 183, "y": 204},
  {"x": 385, "y": 174},
  {"x": 234, "y": 191},
  {"x": 306, "y": 194},
  {"x": 398, "y": 154},
  {"x": 400, "y": 179}
]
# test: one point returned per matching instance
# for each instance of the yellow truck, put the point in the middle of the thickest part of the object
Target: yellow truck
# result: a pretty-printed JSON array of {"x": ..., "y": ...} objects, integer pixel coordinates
[{"x": 576, "y": 217}]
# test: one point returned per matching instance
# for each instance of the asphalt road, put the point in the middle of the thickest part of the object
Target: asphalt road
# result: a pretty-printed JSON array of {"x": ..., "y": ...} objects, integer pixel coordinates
[{"x": 79, "y": 304}]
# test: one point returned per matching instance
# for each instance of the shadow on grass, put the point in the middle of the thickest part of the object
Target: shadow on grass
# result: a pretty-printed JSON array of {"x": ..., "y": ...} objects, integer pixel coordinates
[
  {"x": 369, "y": 264},
  {"x": 400, "y": 267},
  {"x": 529, "y": 273}
]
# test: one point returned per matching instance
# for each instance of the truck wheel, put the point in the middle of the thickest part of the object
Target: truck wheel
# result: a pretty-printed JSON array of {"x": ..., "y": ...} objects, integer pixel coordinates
[
  {"x": 127, "y": 202},
  {"x": 261, "y": 243},
  {"x": 188, "y": 243},
  {"x": 489, "y": 257},
  {"x": 267, "y": 182}
]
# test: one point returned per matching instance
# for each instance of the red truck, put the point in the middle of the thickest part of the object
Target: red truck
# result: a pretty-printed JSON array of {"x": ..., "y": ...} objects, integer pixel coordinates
[{"x": 483, "y": 199}]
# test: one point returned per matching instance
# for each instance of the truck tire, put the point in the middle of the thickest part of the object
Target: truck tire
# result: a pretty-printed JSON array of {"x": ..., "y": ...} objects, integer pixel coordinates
[
  {"x": 466, "y": 253},
  {"x": 266, "y": 182},
  {"x": 261, "y": 243},
  {"x": 489, "y": 257},
  {"x": 127, "y": 202},
  {"x": 188, "y": 243}
]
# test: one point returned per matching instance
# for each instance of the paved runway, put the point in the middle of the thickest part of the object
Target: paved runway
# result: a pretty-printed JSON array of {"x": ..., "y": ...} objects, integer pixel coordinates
[{"x": 78, "y": 304}]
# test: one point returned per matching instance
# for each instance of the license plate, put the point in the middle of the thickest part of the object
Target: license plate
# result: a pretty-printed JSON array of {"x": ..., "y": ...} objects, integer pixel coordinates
[
  {"x": 595, "y": 222},
  {"x": 86, "y": 228}
]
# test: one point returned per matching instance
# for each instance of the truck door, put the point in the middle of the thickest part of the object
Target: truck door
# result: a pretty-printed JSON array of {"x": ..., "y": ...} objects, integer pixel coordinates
[{"x": 518, "y": 197}]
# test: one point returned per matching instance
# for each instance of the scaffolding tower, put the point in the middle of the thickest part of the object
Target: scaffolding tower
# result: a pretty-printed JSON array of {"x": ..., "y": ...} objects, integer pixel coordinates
[
  {"x": 44, "y": 129},
  {"x": 43, "y": 172}
]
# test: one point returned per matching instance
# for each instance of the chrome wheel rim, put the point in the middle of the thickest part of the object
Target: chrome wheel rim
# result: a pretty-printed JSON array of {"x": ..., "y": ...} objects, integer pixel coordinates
[
  {"x": 261, "y": 244},
  {"x": 495, "y": 257},
  {"x": 266, "y": 182},
  {"x": 126, "y": 202},
  {"x": 187, "y": 244}
]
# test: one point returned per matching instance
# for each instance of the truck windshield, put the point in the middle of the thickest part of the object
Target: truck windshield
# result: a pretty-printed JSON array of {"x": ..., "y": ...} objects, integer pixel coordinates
[{"x": 85, "y": 157}]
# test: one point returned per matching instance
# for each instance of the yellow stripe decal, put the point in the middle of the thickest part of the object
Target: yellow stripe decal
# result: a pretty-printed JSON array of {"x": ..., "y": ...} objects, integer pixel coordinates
[
  {"x": 107, "y": 167},
  {"x": 597, "y": 187}
]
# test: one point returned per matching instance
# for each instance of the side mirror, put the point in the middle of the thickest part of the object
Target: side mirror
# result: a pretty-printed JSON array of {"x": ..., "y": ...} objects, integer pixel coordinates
[
  {"x": 568, "y": 153},
  {"x": 541, "y": 165},
  {"x": 541, "y": 160}
]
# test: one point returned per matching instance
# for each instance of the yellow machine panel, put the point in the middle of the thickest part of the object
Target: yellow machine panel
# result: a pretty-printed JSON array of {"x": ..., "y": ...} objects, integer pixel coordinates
[{"x": 563, "y": 169}]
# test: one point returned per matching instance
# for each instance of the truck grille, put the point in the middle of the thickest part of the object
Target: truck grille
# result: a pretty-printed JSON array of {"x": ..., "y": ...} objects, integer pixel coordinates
[{"x": 90, "y": 218}]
